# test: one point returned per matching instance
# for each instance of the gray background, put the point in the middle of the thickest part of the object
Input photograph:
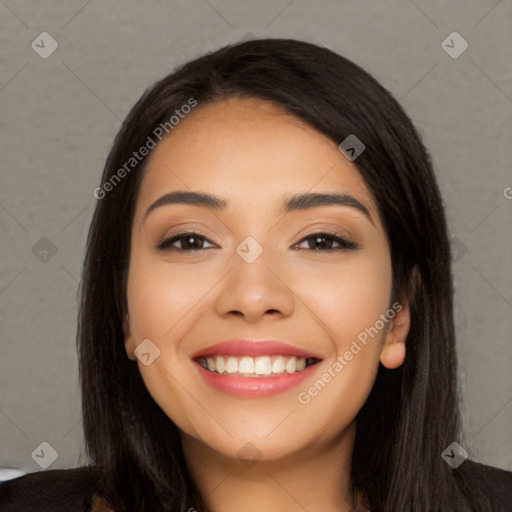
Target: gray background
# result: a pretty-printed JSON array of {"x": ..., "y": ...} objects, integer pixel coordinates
[{"x": 60, "y": 115}]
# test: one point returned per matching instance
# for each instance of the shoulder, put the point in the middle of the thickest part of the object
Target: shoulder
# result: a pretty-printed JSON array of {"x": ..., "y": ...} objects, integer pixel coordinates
[
  {"x": 58, "y": 489},
  {"x": 496, "y": 483}
]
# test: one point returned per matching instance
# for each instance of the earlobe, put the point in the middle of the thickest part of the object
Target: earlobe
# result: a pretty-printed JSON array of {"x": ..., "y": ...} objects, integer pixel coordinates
[
  {"x": 128, "y": 339},
  {"x": 393, "y": 355},
  {"x": 126, "y": 324},
  {"x": 393, "y": 351},
  {"x": 130, "y": 348},
  {"x": 128, "y": 345}
]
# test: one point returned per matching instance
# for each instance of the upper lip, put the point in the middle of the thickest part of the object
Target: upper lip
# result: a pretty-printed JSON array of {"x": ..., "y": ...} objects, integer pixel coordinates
[{"x": 240, "y": 347}]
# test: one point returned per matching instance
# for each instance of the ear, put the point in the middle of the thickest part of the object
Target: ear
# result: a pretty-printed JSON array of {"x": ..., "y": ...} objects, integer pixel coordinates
[
  {"x": 393, "y": 350},
  {"x": 129, "y": 342}
]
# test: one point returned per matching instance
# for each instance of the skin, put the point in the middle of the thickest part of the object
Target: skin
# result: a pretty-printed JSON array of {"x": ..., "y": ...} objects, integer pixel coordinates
[{"x": 252, "y": 154}]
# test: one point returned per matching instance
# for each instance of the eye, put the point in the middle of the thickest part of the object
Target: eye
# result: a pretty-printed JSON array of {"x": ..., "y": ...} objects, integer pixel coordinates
[
  {"x": 190, "y": 242},
  {"x": 326, "y": 241}
]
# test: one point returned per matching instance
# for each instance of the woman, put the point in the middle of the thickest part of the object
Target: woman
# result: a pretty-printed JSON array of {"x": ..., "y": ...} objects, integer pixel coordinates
[{"x": 270, "y": 251}]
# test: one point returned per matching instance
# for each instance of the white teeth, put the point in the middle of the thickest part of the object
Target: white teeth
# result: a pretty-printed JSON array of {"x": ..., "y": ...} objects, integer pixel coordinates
[
  {"x": 254, "y": 366},
  {"x": 291, "y": 365},
  {"x": 278, "y": 365},
  {"x": 232, "y": 365},
  {"x": 246, "y": 365},
  {"x": 219, "y": 363},
  {"x": 262, "y": 366}
]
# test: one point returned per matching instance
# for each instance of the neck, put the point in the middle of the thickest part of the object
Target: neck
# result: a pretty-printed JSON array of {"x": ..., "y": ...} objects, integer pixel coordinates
[{"x": 316, "y": 477}]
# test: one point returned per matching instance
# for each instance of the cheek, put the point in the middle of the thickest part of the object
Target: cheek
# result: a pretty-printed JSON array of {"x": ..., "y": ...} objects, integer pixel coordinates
[
  {"x": 162, "y": 303},
  {"x": 159, "y": 296},
  {"x": 348, "y": 297},
  {"x": 349, "y": 301}
]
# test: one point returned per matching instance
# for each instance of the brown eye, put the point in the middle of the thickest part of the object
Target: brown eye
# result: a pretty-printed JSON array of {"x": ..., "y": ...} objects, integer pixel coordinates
[
  {"x": 189, "y": 241},
  {"x": 328, "y": 242}
]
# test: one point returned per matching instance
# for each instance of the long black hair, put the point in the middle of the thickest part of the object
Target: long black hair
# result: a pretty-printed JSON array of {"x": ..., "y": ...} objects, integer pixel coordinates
[{"x": 412, "y": 413}]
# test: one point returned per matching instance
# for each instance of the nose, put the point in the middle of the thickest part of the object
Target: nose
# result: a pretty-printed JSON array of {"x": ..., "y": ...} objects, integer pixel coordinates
[{"x": 255, "y": 290}]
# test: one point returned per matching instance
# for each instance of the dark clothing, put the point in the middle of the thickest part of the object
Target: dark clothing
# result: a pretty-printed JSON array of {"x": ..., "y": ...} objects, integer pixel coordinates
[
  {"x": 62, "y": 490},
  {"x": 77, "y": 490}
]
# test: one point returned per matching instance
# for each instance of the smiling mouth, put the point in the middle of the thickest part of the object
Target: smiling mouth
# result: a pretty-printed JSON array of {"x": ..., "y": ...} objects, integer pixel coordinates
[{"x": 260, "y": 366}]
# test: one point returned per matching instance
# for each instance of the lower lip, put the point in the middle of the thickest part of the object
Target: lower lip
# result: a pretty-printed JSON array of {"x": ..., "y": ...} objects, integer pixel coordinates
[{"x": 253, "y": 386}]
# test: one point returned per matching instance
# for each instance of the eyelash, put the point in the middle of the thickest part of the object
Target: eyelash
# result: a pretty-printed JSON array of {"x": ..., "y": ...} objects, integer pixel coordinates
[{"x": 344, "y": 243}]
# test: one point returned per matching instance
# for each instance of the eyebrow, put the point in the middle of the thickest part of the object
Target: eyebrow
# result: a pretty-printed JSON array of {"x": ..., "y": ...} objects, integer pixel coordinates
[{"x": 291, "y": 202}]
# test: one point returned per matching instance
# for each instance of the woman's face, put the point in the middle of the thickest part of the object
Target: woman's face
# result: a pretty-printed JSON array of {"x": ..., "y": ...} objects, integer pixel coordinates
[{"x": 314, "y": 310}]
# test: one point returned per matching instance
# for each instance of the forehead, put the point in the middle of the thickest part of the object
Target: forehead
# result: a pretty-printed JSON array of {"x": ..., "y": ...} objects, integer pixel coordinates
[{"x": 247, "y": 149}]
